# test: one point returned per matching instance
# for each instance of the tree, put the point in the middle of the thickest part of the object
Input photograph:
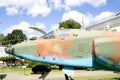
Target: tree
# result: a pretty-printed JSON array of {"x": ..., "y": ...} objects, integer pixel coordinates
[
  {"x": 1, "y": 38},
  {"x": 70, "y": 24},
  {"x": 33, "y": 38},
  {"x": 16, "y": 36}
]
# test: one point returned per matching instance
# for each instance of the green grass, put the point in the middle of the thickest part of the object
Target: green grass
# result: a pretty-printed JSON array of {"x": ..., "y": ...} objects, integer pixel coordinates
[
  {"x": 89, "y": 78},
  {"x": 28, "y": 71},
  {"x": 18, "y": 70},
  {"x": 21, "y": 71}
]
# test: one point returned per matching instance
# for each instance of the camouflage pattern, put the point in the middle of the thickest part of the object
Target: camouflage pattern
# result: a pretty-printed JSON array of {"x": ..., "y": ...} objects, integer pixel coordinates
[{"x": 73, "y": 47}]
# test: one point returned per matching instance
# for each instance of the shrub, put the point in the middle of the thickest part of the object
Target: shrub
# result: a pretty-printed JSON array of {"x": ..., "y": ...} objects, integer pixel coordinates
[
  {"x": 7, "y": 58},
  {"x": 31, "y": 64},
  {"x": 41, "y": 68}
]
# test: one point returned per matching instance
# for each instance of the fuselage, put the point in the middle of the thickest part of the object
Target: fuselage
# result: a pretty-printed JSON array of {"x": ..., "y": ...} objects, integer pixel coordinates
[{"x": 73, "y": 47}]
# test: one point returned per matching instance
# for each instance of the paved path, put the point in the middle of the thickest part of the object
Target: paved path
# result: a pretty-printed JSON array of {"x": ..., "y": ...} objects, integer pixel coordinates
[{"x": 15, "y": 76}]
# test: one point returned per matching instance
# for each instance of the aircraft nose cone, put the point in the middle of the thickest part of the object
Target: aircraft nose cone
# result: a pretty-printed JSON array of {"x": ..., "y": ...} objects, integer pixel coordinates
[
  {"x": 22, "y": 48},
  {"x": 9, "y": 50}
]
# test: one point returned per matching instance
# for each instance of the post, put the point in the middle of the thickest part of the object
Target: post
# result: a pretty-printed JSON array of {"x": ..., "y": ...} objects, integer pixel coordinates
[{"x": 24, "y": 69}]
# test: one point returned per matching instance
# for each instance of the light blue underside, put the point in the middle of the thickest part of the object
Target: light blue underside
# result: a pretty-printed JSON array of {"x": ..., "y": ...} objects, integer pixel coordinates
[
  {"x": 81, "y": 62},
  {"x": 68, "y": 70},
  {"x": 107, "y": 64}
]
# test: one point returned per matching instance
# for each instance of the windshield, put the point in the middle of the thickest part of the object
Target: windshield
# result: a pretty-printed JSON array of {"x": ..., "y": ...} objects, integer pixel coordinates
[
  {"x": 48, "y": 36},
  {"x": 63, "y": 33}
]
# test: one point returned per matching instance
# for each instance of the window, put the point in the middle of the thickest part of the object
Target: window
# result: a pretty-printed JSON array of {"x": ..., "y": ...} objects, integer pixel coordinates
[
  {"x": 114, "y": 30},
  {"x": 48, "y": 36},
  {"x": 63, "y": 33}
]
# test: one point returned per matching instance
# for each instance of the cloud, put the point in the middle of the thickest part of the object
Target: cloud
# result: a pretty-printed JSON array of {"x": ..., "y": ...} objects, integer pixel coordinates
[
  {"x": 44, "y": 7},
  {"x": 85, "y": 19},
  {"x": 55, "y": 26},
  {"x": 56, "y": 4},
  {"x": 103, "y": 15},
  {"x": 67, "y": 4},
  {"x": 24, "y": 26},
  {"x": 96, "y": 3},
  {"x": 32, "y": 7},
  {"x": 72, "y": 15},
  {"x": 37, "y": 9},
  {"x": 11, "y": 10},
  {"x": 40, "y": 25},
  {"x": 75, "y": 3}
]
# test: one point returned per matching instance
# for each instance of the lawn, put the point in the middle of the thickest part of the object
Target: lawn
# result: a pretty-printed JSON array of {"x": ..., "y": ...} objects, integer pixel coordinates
[
  {"x": 28, "y": 71},
  {"x": 19, "y": 70},
  {"x": 107, "y": 77}
]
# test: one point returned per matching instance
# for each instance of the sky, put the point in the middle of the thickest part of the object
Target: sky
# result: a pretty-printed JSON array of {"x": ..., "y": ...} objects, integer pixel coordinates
[{"x": 47, "y": 14}]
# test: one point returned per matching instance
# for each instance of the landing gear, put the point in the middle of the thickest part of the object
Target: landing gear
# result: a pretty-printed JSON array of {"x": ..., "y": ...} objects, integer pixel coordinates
[
  {"x": 68, "y": 72},
  {"x": 68, "y": 77}
]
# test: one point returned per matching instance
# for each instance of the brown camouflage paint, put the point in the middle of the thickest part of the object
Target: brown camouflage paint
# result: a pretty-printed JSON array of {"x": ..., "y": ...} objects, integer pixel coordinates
[
  {"x": 115, "y": 38},
  {"x": 53, "y": 47}
]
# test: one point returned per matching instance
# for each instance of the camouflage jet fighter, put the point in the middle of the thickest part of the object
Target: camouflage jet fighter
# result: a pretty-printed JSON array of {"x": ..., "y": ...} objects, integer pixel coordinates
[{"x": 73, "y": 48}]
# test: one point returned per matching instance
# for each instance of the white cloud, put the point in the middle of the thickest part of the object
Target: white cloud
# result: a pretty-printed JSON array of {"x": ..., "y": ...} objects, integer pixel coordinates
[
  {"x": 96, "y": 3},
  {"x": 37, "y": 9},
  {"x": 24, "y": 26},
  {"x": 85, "y": 19},
  {"x": 44, "y": 7},
  {"x": 55, "y": 26},
  {"x": 67, "y": 4},
  {"x": 40, "y": 25},
  {"x": 77, "y": 16},
  {"x": 33, "y": 7},
  {"x": 103, "y": 15},
  {"x": 75, "y": 3},
  {"x": 72, "y": 15},
  {"x": 11, "y": 10},
  {"x": 57, "y": 4}
]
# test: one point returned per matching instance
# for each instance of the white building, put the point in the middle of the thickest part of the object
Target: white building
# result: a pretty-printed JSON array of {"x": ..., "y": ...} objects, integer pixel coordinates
[
  {"x": 2, "y": 52},
  {"x": 112, "y": 24}
]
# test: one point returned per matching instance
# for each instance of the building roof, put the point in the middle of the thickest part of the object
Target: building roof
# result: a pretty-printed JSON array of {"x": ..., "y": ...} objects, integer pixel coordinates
[{"x": 112, "y": 20}]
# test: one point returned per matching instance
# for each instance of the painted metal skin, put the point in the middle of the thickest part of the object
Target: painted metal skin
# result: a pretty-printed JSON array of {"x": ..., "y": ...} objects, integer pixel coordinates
[{"x": 73, "y": 48}]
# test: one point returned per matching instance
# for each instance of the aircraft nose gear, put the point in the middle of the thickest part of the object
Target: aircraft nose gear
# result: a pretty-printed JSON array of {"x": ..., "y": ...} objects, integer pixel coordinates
[
  {"x": 69, "y": 71},
  {"x": 68, "y": 77}
]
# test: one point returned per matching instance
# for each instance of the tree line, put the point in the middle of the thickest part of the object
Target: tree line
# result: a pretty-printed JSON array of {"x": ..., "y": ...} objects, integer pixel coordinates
[{"x": 17, "y": 36}]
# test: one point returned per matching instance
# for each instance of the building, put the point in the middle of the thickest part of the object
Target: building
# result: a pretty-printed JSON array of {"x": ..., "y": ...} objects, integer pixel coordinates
[
  {"x": 112, "y": 24},
  {"x": 2, "y": 52}
]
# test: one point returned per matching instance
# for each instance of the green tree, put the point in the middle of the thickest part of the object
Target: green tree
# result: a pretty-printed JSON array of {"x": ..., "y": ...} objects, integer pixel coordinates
[
  {"x": 16, "y": 36},
  {"x": 70, "y": 24},
  {"x": 33, "y": 38},
  {"x": 1, "y": 38}
]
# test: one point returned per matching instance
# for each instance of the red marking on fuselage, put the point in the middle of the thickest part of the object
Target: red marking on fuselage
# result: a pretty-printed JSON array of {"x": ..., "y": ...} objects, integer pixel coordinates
[{"x": 93, "y": 49}]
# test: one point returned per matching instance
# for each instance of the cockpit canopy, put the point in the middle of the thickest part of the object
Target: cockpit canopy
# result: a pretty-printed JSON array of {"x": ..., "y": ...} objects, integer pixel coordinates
[{"x": 59, "y": 33}]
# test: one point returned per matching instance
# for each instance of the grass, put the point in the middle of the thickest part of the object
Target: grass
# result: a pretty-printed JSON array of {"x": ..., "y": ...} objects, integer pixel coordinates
[
  {"x": 28, "y": 71},
  {"x": 18, "y": 70},
  {"x": 102, "y": 77},
  {"x": 112, "y": 77},
  {"x": 21, "y": 70}
]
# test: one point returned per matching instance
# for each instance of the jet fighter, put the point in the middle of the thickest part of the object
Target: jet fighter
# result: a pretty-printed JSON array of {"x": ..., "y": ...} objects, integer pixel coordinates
[{"x": 73, "y": 48}]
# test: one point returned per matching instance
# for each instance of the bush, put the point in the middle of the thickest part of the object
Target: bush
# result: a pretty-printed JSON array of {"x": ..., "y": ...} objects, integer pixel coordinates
[
  {"x": 40, "y": 67},
  {"x": 7, "y": 58},
  {"x": 31, "y": 64}
]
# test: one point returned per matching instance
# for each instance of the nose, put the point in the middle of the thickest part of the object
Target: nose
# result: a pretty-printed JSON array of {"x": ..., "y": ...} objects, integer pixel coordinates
[
  {"x": 9, "y": 50},
  {"x": 22, "y": 48}
]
